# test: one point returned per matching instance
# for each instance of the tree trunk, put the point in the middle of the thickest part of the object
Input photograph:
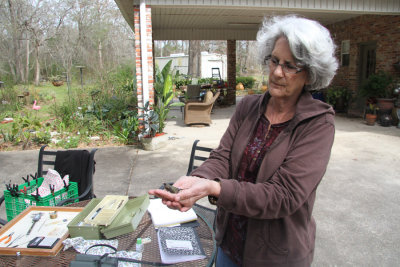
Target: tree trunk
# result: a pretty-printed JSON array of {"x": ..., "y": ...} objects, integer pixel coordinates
[
  {"x": 246, "y": 55},
  {"x": 101, "y": 67},
  {"x": 194, "y": 69},
  {"x": 27, "y": 62},
  {"x": 37, "y": 65},
  {"x": 15, "y": 37},
  {"x": 20, "y": 66}
]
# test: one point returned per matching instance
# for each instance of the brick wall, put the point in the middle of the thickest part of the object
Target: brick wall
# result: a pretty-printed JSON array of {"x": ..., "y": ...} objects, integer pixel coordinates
[
  {"x": 138, "y": 56},
  {"x": 384, "y": 30}
]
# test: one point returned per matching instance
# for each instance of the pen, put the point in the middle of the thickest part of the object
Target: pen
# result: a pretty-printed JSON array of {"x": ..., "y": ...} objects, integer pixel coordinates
[
  {"x": 120, "y": 203},
  {"x": 95, "y": 213}
]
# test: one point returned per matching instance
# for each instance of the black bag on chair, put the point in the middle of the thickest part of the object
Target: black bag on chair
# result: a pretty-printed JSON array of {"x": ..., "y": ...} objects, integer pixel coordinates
[{"x": 75, "y": 163}]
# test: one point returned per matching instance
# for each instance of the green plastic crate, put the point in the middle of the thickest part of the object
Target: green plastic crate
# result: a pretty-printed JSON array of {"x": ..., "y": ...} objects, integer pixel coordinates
[{"x": 16, "y": 204}]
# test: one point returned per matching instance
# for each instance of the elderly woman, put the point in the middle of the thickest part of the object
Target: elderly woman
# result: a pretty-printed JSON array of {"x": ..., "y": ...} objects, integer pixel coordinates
[{"x": 264, "y": 174}]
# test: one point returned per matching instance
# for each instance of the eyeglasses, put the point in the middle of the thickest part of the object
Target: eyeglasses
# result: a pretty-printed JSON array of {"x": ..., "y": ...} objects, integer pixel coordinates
[{"x": 273, "y": 63}]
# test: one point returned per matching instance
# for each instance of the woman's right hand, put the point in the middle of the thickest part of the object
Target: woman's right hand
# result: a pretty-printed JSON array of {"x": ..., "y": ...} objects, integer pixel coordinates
[{"x": 192, "y": 189}]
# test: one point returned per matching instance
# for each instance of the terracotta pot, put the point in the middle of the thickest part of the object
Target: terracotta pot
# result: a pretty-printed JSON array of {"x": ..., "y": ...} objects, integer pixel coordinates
[
  {"x": 239, "y": 86},
  {"x": 385, "y": 103},
  {"x": 264, "y": 88},
  {"x": 370, "y": 119}
]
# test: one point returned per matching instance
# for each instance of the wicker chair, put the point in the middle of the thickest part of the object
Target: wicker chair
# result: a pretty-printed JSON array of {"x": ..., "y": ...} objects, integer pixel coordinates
[{"x": 200, "y": 112}]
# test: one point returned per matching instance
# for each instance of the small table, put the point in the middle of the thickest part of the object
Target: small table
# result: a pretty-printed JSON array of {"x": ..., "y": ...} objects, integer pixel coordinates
[{"x": 128, "y": 242}]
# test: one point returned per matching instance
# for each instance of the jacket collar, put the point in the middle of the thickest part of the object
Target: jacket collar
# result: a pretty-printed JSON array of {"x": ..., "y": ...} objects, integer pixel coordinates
[{"x": 307, "y": 107}]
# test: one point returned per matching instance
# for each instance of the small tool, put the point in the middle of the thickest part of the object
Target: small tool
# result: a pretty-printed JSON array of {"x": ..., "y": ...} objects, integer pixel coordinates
[
  {"x": 6, "y": 238},
  {"x": 25, "y": 190},
  {"x": 66, "y": 186},
  {"x": 40, "y": 228},
  {"x": 17, "y": 238},
  {"x": 170, "y": 188},
  {"x": 52, "y": 187},
  {"x": 12, "y": 189},
  {"x": 53, "y": 215},
  {"x": 37, "y": 194},
  {"x": 35, "y": 219},
  {"x": 34, "y": 177},
  {"x": 26, "y": 180}
]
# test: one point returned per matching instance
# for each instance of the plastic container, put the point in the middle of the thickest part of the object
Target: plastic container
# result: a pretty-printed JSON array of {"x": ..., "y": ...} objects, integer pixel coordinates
[
  {"x": 139, "y": 245},
  {"x": 126, "y": 221},
  {"x": 16, "y": 204}
]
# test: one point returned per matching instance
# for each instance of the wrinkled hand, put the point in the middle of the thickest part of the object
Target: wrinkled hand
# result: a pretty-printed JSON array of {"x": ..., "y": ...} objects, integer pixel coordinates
[{"x": 192, "y": 189}]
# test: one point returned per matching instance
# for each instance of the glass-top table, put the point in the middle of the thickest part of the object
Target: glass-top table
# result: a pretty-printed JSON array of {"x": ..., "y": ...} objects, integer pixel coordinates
[{"x": 127, "y": 242}]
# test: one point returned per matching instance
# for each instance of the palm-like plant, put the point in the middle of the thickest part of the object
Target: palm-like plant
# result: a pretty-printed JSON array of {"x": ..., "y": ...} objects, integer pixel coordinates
[{"x": 164, "y": 93}]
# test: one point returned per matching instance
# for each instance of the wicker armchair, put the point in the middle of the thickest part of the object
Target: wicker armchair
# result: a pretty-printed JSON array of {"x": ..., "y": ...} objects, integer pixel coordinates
[{"x": 200, "y": 112}]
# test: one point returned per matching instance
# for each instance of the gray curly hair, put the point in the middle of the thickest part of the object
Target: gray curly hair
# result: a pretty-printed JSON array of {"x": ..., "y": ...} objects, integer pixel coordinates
[{"x": 310, "y": 43}]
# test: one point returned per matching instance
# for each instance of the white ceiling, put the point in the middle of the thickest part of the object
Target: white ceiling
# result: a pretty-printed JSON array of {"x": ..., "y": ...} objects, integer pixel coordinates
[
  {"x": 235, "y": 22},
  {"x": 222, "y": 23}
]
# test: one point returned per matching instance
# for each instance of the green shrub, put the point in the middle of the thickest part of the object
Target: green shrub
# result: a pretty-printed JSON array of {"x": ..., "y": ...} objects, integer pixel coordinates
[
  {"x": 70, "y": 142},
  {"x": 180, "y": 80},
  {"x": 42, "y": 137},
  {"x": 377, "y": 85},
  {"x": 125, "y": 130},
  {"x": 338, "y": 97},
  {"x": 65, "y": 113},
  {"x": 248, "y": 82},
  {"x": 205, "y": 81}
]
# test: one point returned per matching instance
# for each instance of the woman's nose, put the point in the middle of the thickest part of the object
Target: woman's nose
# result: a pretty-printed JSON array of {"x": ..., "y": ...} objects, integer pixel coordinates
[{"x": 278, "y": 71}]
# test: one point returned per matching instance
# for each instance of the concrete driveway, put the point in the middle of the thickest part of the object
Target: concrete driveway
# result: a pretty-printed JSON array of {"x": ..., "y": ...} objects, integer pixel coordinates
[{"x": 358, "y": 202}]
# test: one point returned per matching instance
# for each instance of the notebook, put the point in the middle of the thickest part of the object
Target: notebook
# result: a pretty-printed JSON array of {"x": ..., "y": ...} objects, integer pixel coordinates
[
  {"x": 179, "y": 244},
  {"x": 162, "y": 216}
]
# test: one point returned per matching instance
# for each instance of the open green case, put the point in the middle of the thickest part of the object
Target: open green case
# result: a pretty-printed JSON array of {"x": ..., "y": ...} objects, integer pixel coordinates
[{"x": 126, "y": 221}]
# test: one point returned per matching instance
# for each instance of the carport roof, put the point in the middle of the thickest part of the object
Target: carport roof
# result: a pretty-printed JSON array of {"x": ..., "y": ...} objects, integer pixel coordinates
[{"x": 240, "y": 19}]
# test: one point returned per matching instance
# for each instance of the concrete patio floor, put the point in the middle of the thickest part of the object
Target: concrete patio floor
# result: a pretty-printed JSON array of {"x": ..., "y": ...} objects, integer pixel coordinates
[{"x": 357, "y": 209}]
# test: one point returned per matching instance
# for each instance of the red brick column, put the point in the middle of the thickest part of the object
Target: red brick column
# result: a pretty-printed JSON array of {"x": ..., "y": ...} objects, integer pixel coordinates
[
  {"x": 231, "y": 56},
  {"x": 140, "y": 60}
]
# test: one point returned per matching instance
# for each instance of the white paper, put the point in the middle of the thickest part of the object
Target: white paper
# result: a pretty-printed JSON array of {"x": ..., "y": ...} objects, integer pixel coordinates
[
  {"x": 184, "y": 254},
  {"x": 179, "y": 244},
  {"x": 162, "y": 216}
]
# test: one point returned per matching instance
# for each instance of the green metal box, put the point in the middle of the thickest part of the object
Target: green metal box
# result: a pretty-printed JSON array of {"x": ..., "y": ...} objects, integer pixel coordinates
[{"x": 126, "y": 221}]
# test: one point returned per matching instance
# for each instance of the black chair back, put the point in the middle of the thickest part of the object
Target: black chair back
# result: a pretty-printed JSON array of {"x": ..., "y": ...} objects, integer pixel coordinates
[{"x": 198, "y": 155}]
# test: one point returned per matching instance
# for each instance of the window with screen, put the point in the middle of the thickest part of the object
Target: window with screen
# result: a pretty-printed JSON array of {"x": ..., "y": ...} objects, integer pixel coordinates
[{"x": 345, "y": 53}]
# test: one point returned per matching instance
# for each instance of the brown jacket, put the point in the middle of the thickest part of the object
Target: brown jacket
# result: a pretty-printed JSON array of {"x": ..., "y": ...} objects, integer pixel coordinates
[{"x": 281, "y": 229}]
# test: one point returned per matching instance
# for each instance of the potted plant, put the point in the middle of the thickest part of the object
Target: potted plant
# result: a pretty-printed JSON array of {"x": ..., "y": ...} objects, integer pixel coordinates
[
  {"x": 378, "y": 86},
  {"x": 338, "y": 97},
  {"x": 370, "y": 114},
  {"x": 149, "y": 137},
  {"x": 56, "y": 80}
]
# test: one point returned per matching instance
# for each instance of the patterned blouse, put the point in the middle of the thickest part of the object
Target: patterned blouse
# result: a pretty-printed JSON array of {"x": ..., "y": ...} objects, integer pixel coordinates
[{"x": 263, "y": 137}]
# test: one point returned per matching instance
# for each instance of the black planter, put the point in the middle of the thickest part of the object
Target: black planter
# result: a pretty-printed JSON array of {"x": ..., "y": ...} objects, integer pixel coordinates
[{"x": 384, "y": 117}]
